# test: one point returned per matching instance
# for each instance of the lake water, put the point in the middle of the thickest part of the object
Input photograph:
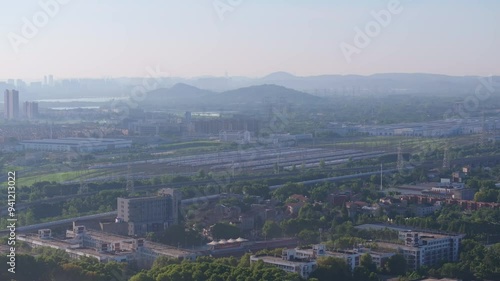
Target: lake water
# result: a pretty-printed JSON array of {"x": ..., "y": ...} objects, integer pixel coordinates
[
  {"x": 94, "y": 99},
  {"x": 74, "y": 107}
]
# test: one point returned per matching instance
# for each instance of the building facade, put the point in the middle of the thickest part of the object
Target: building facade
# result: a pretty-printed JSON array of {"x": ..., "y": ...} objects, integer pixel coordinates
[
  {"x": 428, "y": 248},
  {"x": 150, "y": 214},
  {"x": 289, "y": 264},
  {"x": 30, "y": 109},
  {"x": 11, "y": 104}
]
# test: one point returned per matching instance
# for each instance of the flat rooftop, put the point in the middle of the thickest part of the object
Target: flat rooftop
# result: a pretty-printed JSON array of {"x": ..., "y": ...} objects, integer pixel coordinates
[
  {"x": 371, "y": 226},
  {"x": 108, "y": 237},
  {"x": 276, "y": 260},
  {"x": 66, "y": 244}
]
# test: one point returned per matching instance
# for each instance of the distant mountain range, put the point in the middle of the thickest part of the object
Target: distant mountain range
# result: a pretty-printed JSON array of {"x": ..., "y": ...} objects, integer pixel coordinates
[
  {"x": 242, "y": 91},
  {"x": 321, "y": 85},
  {"x": 183, "y": 94},
  {"x": 179, "y": 94},
  {"x": 348, "y": 84}
]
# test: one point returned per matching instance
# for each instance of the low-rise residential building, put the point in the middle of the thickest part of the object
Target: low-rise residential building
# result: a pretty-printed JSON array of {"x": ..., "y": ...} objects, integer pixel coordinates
[
  {"x": 422, "y": 248},
  {"x": 425, "y": 210},
  {"x": 464, "y": 204},
  {"x": 351, "y": 257}
]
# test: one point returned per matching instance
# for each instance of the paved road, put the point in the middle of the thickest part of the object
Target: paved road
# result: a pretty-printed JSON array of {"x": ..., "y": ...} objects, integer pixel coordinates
[{"x": 33, "y": 227}]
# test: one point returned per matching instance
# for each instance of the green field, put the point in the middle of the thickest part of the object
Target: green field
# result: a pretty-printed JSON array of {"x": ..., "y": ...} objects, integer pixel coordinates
[{"x": 58, "y": 177}]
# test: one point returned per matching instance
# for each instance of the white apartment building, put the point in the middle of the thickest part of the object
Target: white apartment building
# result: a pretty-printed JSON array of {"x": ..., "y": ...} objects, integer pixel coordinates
[{"x": 428, "y": 249}]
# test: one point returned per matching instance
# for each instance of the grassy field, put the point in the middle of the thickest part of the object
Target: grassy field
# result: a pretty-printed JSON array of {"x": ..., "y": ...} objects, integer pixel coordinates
[
  {"x": 192, "y": 144},
  {"x": 28, "y": 180}
]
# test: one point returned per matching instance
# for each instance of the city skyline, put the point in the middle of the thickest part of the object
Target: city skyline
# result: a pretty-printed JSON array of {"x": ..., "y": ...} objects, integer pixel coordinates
[{"x": 192, "y": 39}]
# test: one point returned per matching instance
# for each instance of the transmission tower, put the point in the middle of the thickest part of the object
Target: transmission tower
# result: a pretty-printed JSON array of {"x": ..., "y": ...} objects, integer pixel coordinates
[
  {"x": 381, "y": 177},
  {"x": 482, "y": 137},
  {"x": 446, "y": 160},
  {"x": 130, "y": 181},
  {"x": 83, "y": 188},
  {"x": 400, "y": 163}
]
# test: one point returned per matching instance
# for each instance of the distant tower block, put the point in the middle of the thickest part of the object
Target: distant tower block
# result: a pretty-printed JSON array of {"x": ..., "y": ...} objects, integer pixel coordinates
[{"x": 11, "y": 104}]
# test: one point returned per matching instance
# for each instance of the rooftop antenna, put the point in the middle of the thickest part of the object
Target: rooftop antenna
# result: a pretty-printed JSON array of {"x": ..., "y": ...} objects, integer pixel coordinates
[
  {"x": 400, "y": 164},
  {"x": 483, "y": 131},
  {"x": 446, "y": 160},
  {"x": 84, "y": 188}
]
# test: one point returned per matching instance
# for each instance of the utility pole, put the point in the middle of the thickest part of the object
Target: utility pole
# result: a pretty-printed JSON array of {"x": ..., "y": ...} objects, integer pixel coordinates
[
  {"x": 446, "y": 160},
  {"x": 130, "y": 181},
  {"x": 381, "y": 178},
  {"x": 400, "y": 163}
]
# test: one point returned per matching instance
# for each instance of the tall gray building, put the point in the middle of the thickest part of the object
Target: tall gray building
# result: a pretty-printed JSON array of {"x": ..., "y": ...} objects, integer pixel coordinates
[
  {"x": 30, "y": 109},
  {"x": 150, "y": 214},
  {"x": 11, "y": 104}
]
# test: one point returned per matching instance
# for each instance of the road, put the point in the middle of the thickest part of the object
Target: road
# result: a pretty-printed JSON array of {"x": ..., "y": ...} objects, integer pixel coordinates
[
  {"x": 33, "y": 227},
  {"x": 339, "y": 178}
]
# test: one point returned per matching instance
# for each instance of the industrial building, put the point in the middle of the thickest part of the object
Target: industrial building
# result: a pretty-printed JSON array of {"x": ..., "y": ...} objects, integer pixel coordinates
[
  {"x": 212, "y": 126},
  {"x": 438, "y": 128},
  {"x": 76, "y": 144},
  {"x": 150, "y": 214},
  {"x": 154, "y": 128},
  {"x": 240, "y": 137}
]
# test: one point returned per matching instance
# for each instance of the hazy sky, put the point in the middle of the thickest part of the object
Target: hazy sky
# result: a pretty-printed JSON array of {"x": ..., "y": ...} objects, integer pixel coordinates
[{"x": 96, "y": 38}]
